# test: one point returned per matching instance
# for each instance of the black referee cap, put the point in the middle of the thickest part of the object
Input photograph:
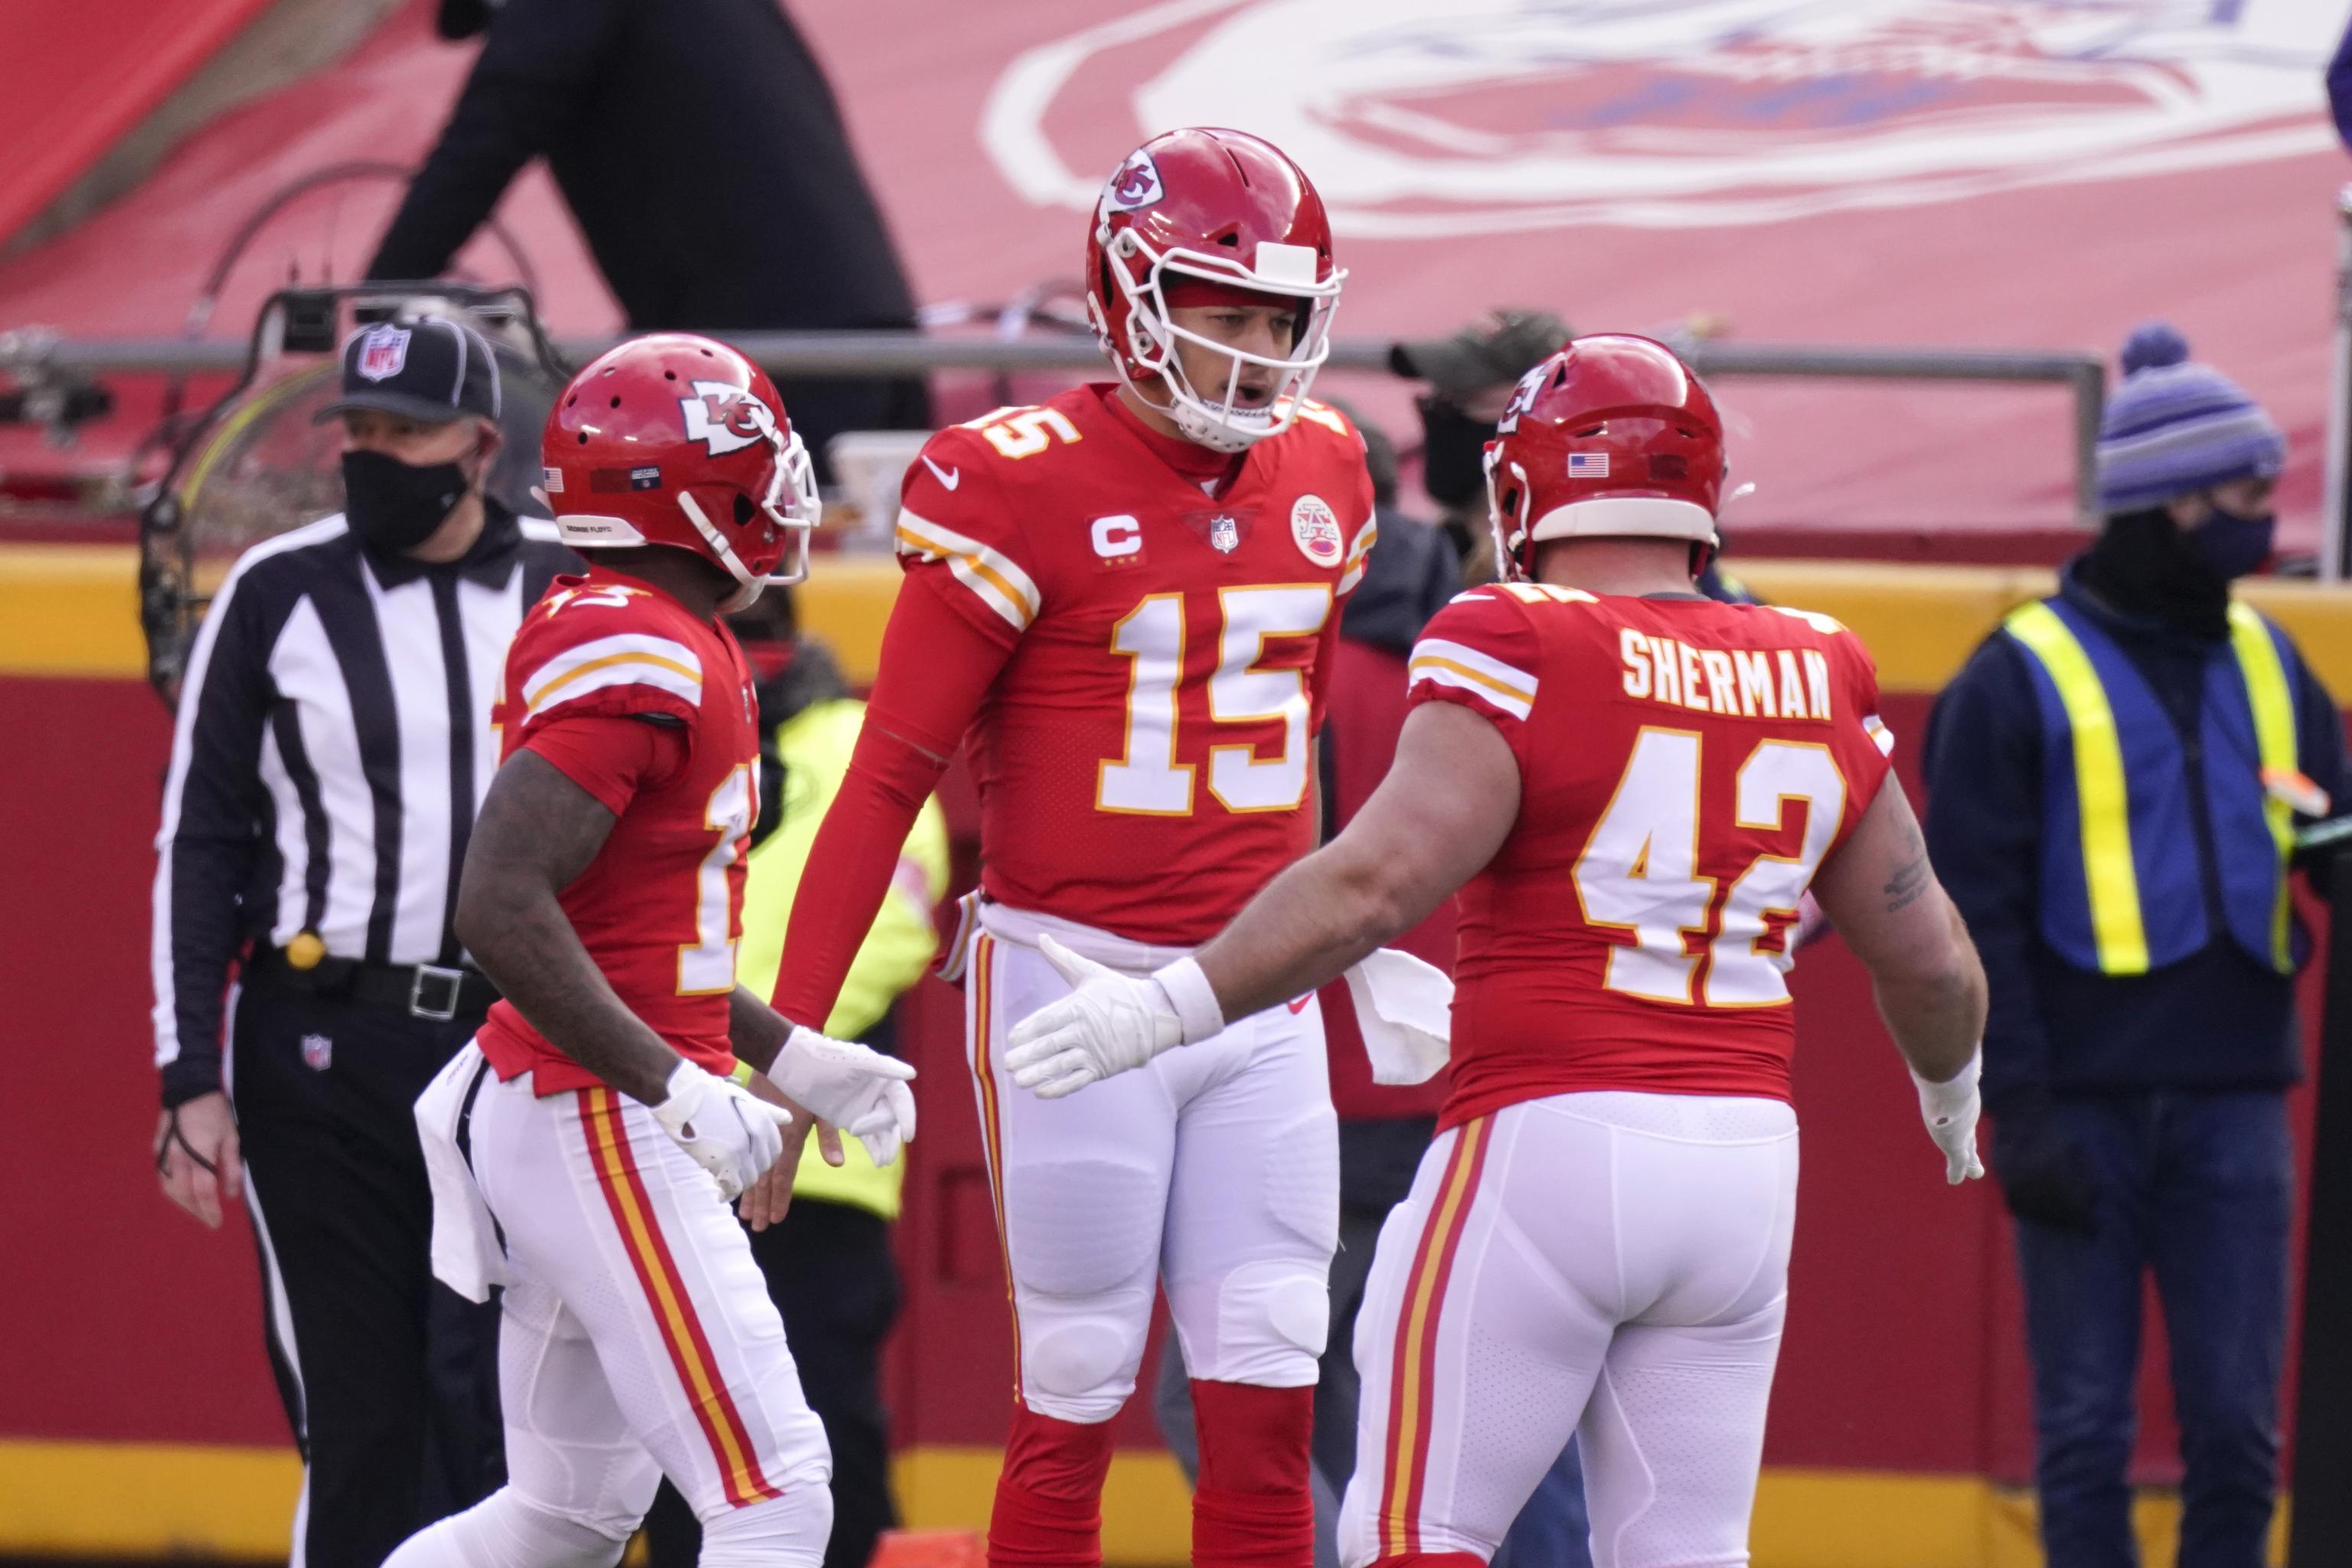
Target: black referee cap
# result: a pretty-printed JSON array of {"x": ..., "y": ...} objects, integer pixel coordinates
[{"x": 422, "y": 367}]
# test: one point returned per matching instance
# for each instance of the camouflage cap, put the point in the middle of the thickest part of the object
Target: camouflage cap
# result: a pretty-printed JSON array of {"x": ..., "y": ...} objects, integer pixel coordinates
[{"x": 1493, "y": 351}]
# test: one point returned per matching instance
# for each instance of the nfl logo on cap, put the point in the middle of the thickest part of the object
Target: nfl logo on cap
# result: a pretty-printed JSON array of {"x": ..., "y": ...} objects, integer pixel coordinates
[
  {"x": 384, "y": 351},
  {"x": 318, "y": 1052}
]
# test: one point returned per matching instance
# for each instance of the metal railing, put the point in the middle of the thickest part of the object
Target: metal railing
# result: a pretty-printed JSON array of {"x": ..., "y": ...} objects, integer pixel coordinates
[{"x": 854, "y": 355}]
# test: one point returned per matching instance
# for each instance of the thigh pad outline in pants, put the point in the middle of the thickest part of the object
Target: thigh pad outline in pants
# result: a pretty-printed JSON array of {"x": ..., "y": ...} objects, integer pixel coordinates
[
  {"x": 1254, "y": 1204},
  {"x": 626, "y": 1239},
  {"x": 1673, "y": 1436},
  {"x": 1500, "y": 1310},
  {"x": 1475, "y": 1354},
  {"x": 1082, "y": 1189}
]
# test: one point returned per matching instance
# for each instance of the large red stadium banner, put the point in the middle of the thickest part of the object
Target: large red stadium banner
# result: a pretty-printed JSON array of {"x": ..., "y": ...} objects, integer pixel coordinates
[{"x": 2023, "y": 174}]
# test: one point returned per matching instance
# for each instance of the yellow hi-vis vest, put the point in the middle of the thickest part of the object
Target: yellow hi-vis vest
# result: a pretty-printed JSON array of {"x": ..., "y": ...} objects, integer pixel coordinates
[
  {"x": 2122, "y": 889},
  {"x": 815, "y": 744}
]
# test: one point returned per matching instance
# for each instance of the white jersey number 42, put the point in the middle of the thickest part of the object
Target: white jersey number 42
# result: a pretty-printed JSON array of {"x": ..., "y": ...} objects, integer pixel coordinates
[{"x": 1639, "y": 870}]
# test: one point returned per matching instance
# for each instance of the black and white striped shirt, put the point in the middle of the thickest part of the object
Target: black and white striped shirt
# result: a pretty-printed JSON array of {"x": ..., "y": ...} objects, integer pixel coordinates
[{"x": 333, "y": 744}]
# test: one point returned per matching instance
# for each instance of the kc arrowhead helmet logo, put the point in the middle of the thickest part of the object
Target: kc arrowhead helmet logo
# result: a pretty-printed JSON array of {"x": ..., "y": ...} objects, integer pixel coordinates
[
  {"x": 1135, "y": 184},
  {"x": 726, "y": 419}
]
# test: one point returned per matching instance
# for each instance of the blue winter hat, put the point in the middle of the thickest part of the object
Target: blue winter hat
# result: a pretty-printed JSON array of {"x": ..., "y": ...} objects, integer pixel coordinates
[{"x": 2175, "y": 427}]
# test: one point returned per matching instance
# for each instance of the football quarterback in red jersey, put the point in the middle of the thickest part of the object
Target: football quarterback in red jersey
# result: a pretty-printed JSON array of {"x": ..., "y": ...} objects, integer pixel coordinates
[
  {"x": 1129, "y": 596},
  {"x": 1632, "y": 787},
  {"x": 585, "y": 1147}
]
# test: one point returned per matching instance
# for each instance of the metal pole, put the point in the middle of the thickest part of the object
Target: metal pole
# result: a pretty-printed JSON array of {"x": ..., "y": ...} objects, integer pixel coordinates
[
  {"x": 910, "y": 353},
  {"x": 2334, "y": 511},
  {"x": 2090, "y": 404},
  {"x": 789, "y": 354}
]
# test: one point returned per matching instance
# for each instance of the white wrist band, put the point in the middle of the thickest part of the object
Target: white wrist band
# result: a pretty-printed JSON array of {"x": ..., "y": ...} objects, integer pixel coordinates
[
  {"x": 1195, "y": 999},
  {"x": 1950, "y": 1097}
]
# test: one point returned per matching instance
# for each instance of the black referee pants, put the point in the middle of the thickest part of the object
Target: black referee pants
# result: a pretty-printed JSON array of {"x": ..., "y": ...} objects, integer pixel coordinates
[{"x": 390, "y": 1378}]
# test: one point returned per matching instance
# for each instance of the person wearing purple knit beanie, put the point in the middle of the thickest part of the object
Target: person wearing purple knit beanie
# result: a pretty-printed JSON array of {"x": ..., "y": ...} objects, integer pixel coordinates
[{"x": 2114, "y": 782}]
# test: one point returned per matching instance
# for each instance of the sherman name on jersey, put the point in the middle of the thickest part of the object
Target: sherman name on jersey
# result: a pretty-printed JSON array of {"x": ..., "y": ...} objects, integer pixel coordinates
[
  {"x": 1168, "y": 647},
  {"x": 1685, "y": 768}
]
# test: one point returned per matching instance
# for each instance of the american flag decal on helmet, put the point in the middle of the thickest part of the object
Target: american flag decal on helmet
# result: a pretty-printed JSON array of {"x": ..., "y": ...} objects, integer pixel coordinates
[{"x": 1587, "y": 464}]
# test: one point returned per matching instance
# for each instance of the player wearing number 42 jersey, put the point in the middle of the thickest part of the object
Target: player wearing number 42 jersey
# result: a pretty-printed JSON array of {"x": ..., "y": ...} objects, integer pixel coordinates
[
  {"x": 1129, "y": 597},
  {"x": 1633, "y": 787},
  {"x": 584, "y": 1148}
]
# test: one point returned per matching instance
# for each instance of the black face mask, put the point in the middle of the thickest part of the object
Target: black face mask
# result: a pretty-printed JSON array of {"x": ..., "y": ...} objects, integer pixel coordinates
[
  {"x": 2229, "y": 545},
  {"x": 1452, "y": 455},
  {"x": 393, "y": 506},
  {"x": 2143, "y": 565}
]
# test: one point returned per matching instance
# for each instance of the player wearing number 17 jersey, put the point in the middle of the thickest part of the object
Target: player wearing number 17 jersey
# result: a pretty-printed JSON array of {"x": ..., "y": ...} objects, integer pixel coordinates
[
  {"x": 1633, "y": 787},
  {"x": 1129, "y": 597},
  {"x": 573, "y": 1144}
]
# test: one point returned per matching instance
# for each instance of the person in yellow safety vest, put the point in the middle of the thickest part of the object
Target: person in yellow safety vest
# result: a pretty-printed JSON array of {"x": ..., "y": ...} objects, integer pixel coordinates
[
  {"x": 2113, "y": 784},
  {"x": 828, "y": 1264}
]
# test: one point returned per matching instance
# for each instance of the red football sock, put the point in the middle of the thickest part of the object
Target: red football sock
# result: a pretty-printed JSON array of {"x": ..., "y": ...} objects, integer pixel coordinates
[
  {"x": 1252, "y": 1508},
  {"x": 1048, "y": 1509}
]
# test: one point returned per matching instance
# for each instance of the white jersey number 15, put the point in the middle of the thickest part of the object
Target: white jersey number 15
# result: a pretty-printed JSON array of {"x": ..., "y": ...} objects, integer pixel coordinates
[{"x": 1146, "y": 779}]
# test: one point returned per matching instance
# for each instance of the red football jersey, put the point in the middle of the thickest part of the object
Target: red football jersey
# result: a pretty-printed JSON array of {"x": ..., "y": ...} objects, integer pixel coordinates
[
  {"x": 1685, "y": 767},
  {"x": 660, "y": 907},
  {"x": 1144, "y": 756}
]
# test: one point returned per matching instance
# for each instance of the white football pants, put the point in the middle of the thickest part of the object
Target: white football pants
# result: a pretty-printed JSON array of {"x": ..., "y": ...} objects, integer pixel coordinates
[
  {"x": 1214, "y": 1170},
  {"x": 638, "y": 1338},
  {"x": 1612, "y": 1265}
]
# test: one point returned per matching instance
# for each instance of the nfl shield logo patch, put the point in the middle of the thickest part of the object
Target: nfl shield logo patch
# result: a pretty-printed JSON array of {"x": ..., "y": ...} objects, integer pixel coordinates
[
  {"x": 318, "y": 1052},
  {"x": 384, "y": 351},
  {"x": 1224, "y": 534}
]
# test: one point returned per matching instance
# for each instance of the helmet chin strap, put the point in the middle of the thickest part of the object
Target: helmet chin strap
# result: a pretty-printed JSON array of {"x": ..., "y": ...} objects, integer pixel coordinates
[
  {"x": 1507, "y": 550},
  {"x": 1192, "y": 424},
  {"x": 1215, "y": 434},
  {"x": 748, "y": 585},
  {"x": 1185, "y": 408}
]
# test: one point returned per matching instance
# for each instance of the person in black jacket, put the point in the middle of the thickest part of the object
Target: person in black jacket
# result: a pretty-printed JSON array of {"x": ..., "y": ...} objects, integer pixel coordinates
[
  {"x": 698, "y": 144},
  {"x": 2113, "y": 782},
  {"x": 334, "y": 735}
]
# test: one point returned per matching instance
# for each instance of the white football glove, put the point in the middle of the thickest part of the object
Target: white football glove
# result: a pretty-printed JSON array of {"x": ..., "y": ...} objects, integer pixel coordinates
[
  {"x": 1951, "y": 1110},
  {"x": 722, "y": 1126},
  {"x": 1111, "y": 1022},
  {"x": 861, "y": 1091}
]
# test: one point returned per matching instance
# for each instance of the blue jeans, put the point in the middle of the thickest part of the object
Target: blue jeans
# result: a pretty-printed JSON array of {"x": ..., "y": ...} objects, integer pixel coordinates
[
  {"x": 1551, "y": 1530},
  {"x": 2198, "y": 1187}
]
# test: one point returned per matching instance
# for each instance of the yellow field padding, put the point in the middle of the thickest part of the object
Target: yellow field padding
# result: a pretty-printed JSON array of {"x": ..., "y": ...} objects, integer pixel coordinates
[
  {"x": 1922, "y": 622},
  {"x": 137, "y": 1501},
  {"x": 71, "y": 610}
]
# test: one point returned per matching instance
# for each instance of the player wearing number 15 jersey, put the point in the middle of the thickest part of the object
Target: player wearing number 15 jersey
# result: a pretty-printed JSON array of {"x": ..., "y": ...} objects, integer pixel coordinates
[
  {"x": 1633, "y": 787},
  {"x": 574, "y": 1145},
  {"x": 1129, "y": 597}
]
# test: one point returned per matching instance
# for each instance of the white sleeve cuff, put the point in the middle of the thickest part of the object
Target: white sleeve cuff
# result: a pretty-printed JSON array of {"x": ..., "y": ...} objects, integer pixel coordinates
[{"x": 1195, "y": 1001}]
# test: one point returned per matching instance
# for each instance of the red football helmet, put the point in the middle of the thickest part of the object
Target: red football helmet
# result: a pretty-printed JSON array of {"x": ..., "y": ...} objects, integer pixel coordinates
[
  {"x": 679, "y": 440},
  {"x": 1613, "y": 434},
  {"x": 1217, "y": 208}
]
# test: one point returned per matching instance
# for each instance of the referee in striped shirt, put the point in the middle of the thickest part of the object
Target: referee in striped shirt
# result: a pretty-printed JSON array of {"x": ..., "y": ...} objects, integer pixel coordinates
[{"x": 333, "y": 744}]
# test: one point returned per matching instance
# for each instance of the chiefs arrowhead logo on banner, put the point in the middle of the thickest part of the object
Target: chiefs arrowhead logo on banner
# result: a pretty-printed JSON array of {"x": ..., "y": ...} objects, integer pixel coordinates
[
  {"x": 726, "y": 419},
  {"x": 1440, "y": 118}
]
